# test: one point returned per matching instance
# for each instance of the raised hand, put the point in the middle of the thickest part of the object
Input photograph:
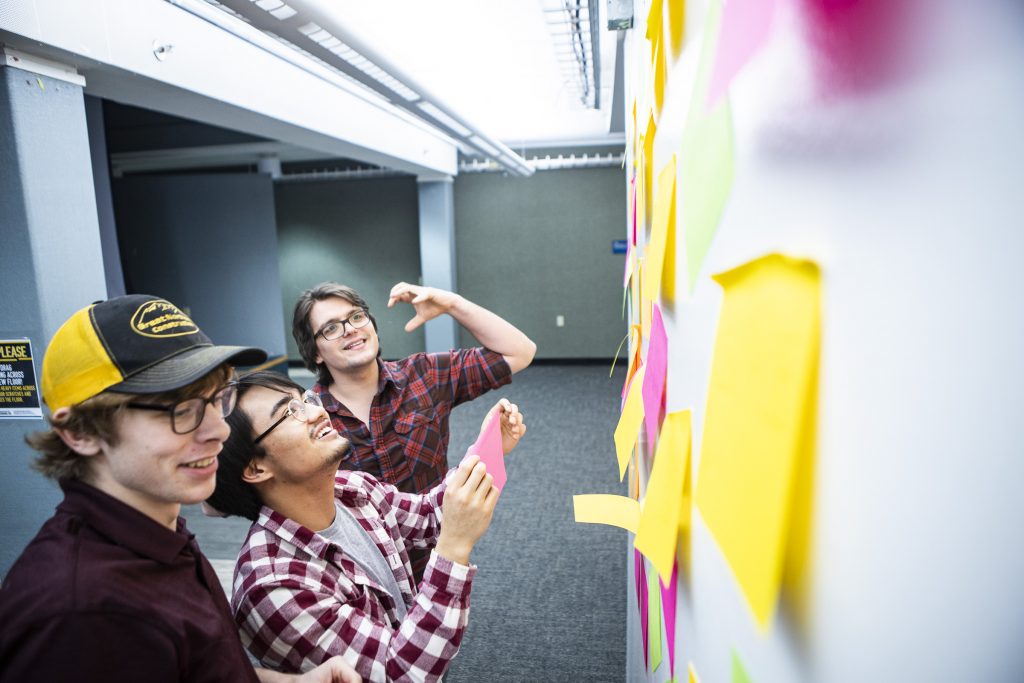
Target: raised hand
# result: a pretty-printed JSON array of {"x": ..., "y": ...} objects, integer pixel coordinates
[
  {"x": 469, "y": 501},
  {"x": 429, "y": 302},
  {"x": 513, "y": 425}
]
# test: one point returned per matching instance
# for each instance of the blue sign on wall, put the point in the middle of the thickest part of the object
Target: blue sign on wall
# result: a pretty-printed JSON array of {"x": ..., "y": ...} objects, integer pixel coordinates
[{"x": 618, "y": 246}]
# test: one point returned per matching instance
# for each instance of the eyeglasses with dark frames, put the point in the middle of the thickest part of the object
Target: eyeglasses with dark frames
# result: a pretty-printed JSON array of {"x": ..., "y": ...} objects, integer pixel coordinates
[
  {"x": 335, "y": 329},
  {"x": 187, "y": 415},
  {"x": 296, "y": 409}
]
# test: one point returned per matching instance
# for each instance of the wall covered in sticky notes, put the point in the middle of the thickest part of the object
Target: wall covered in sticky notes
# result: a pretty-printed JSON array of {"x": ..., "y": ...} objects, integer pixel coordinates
[{"x": 825, "y": 341}]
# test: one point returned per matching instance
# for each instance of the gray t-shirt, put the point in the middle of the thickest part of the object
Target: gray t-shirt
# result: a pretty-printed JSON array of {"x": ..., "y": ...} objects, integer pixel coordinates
[{"x": 346, "y": 533}]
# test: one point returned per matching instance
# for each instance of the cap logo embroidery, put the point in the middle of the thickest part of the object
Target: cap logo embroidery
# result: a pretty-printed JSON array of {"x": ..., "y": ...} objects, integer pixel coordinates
[{"x": 162, "y": 319}]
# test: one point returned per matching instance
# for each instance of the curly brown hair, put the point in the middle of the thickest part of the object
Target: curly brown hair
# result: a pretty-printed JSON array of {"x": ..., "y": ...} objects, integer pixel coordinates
[{"x": 98, "y": 416}]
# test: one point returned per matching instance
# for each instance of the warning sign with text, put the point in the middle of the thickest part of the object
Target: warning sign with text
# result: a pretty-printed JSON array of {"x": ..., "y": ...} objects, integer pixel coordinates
[{"x": 19, "y": 395}]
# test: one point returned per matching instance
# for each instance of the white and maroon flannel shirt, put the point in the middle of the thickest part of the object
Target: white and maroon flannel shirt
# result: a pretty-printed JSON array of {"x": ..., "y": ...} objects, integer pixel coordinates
[{"x": 299, "y": 599}]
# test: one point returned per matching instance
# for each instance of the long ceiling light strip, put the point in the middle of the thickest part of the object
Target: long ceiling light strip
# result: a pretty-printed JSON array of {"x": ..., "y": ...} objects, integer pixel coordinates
[{"x": 307, "y": 26}]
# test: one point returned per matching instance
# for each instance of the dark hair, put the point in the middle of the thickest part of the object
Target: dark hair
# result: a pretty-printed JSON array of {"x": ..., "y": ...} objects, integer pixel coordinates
[
  {"x": 303, "y": 332},
  {"x": 97, "y": 416},
  {"x": 233, "y": 496}
]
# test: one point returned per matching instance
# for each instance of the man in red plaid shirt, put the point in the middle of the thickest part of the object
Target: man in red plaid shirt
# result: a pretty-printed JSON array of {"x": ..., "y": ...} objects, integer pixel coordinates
[
  {"x": 395, "y": 414},
  {"x": 325, "y": 568}
]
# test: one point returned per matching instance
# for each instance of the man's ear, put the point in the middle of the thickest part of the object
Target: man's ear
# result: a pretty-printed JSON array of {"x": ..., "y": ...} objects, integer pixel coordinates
[
  {"x": 83, "y": 444},
  {"x": 256, "y": 473}
]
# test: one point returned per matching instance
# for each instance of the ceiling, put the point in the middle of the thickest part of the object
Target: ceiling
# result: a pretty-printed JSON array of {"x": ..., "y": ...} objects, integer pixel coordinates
[{"x": 495, "y": 63}]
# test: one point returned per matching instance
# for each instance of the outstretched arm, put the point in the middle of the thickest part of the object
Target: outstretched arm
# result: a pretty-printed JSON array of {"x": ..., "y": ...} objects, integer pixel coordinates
[{"x": 492, "y": 331}]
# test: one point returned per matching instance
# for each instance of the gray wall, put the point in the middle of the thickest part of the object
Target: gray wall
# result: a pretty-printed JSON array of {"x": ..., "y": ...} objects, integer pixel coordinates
[
  {"x": 534, "y": 248},
  {"x": 207, "y": 243},
  {"x": 527, "y": 249},
  {"x": 361, "y": 233}
]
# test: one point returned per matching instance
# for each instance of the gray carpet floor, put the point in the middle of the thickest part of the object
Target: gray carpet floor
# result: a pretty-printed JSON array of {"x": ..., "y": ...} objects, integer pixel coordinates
[{"x": 549, "y": 598}]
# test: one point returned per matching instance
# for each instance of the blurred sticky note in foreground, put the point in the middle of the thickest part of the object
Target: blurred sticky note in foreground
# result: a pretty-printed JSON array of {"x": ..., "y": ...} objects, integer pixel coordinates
[
  {"x": 605, "y": 508},
  {"x": 488, "y": 447},
  {"x": 739, "y": 674},
  {"x": 707, "y": 166},
  {"x": 693, "y": 674},
  {"x": 629, "y": 421},
  {"x": 746, "y": 25},
  {"x": 661, "y": 259},
  {"x": 663, "y": 508},
  {"x": 759, "y": 402}
]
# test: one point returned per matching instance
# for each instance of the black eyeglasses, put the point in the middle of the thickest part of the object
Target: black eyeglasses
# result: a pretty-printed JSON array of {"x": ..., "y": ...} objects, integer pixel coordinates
[
  {"x": 336, "y": 328},
  {"x": 296, "y": 409},
  {"x": 187, "y": 415}
]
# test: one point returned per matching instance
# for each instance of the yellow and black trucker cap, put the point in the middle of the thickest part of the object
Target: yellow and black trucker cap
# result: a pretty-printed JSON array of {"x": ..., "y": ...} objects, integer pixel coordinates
[{"x": 136, "y": 344}]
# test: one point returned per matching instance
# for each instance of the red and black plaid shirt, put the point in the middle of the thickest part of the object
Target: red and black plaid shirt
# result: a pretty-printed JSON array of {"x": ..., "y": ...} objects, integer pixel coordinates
[{"x": 406, "y": 441}]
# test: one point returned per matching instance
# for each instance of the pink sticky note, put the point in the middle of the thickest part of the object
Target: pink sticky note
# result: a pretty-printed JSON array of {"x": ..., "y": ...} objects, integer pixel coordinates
[
  {"x": 668, "y": 608},
  {"x": 654, "y": 379},
  {"x": 488, "y": 447},
  {"x": 746, "y": 25},
  {"x": 642, "y": 595}
]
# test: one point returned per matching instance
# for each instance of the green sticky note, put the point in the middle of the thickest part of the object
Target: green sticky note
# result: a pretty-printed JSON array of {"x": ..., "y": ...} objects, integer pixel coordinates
[
  {"x": 707, "y": 164},
  {"x": 739, "y": 674},
  {"x": 654, "y": 619}
]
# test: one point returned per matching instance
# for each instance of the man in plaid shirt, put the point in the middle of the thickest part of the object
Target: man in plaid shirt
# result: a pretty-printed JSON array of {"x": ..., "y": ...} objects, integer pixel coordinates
[
  {"x": 395, "y": 414},
  {"x": 325, "y": 568}
]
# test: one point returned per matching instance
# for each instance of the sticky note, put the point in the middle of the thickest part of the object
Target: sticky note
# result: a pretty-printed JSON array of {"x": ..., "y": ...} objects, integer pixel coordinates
[
  {"x": 654, "y": 621},
  {"x": 649, "y": 134},
  {"x": 629, "y": 422},
  {"x": 759, "y": 401},
  {"x": 660, "y": 519},
  {"x": 669, "y": 597},
  {"x": 676, "y": 24},
  {"x": 654, "y": 23},
  {"x": 707, "y": 164},
  {"x": 660, "y": 70},
  {"x": 654, "y": 379},
  {"x": 739, "y": 674},
  {"x": 642, "y": 590},
  {"x": 746, "y": 25},
  {"x": 693, "y": 673},
  {"x": 634, "y": 358},
  {"x": 660, "y": 264},
  {"x": 602, "y": 508},
  {"x": 488, "y": 447}
]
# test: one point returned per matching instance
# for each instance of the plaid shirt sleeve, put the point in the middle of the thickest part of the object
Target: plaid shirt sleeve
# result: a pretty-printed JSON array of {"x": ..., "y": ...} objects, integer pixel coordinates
[
  {"x": 304, "y": 624},
  {"x": 416, "y": 516},
  {"x": 473, "y": 372}
]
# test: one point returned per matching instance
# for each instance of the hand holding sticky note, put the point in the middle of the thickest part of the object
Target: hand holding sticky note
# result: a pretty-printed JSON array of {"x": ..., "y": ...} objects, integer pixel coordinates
[{"x": 488, "y": 447}]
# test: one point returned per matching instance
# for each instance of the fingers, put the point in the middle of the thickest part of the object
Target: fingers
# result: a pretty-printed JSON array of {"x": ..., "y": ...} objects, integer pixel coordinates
[
  {"x": 403, "y": 291},
  {"x": 416, "y": 321},
  {"x": 476, "y": 476},
  {"x": 462, "y": 472}
]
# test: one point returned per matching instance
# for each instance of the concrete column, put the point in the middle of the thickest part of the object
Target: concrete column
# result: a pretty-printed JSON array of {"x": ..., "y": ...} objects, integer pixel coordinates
[
  {"x": 437, "y": 254},
  {"x": 51, "y": 261}
]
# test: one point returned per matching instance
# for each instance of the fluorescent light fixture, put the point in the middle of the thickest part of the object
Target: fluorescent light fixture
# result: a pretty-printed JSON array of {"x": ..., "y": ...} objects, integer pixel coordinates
[
  {"x": 453, "y": 125},
  {"x": 309, "y": 28},
  {"x": 485, "y": 147},
  {"x": 283, "y": 12}
]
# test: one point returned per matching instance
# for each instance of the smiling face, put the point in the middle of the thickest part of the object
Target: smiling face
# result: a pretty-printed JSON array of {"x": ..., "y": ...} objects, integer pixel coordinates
[
  {"x": 155, "y": 470},
  {"x": 354, "y": 350},
  {"x": 296, "y": 451}
]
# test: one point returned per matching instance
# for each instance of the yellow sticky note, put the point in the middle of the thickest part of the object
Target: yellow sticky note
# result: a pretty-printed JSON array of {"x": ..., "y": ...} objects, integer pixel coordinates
[
  {"x": 601, "y": 508},
  {"x": 660, "y": 520},
  {"x": 649, "y": 134},
  {"x": 676, "y": 24},
  {"x": 693, "y": 673},
  {"x": 660, "y": 69},
  {"x": 654, "y": 24},
  {"x": 759, "y": 404},
  {"x": 663, "y": 226},
  {"x": 654, "y": 621},
  {"x": 629, "y": 422},
  {"x": 707, "y": 164}
]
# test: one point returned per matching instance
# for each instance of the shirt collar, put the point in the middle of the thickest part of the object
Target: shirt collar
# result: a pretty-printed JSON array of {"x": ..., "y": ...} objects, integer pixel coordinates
[
  {"x": 123, "y": 524},
  {"x": 386, "y": 374}
]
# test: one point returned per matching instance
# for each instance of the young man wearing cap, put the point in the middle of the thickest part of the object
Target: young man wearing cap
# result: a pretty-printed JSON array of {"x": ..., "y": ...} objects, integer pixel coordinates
[
  {"x": 114, "y": 587},
  {"x": 325, "y": 568},
  {"x": 395, "y": 414}
]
